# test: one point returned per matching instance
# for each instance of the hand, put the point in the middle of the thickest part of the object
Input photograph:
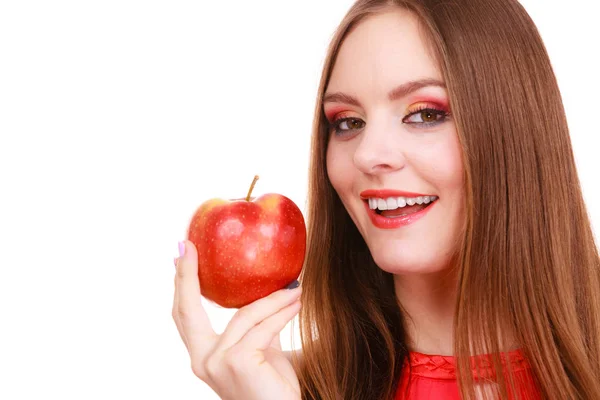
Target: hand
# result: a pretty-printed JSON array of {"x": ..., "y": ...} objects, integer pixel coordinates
[{"x": 245, "y": 361}]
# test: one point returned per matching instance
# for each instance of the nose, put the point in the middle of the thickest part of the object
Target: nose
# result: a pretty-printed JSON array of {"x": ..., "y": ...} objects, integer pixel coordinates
[{"x": 378, "y": 151}]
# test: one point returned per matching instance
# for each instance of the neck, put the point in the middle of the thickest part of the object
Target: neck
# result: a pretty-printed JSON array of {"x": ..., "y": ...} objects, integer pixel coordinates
[{"x": 428, "y": 302}]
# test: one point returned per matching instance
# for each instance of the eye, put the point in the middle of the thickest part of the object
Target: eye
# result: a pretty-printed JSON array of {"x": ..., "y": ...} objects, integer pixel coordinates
[
  {"x": 343, "y": 126},
  {"x": 425, "y": 117}
]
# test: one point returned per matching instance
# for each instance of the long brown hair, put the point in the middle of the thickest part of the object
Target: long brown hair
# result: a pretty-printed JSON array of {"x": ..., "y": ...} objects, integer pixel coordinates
[{"x": 528, "y": 263}]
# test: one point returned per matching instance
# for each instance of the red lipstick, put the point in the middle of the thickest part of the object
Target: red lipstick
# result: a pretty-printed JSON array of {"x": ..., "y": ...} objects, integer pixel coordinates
[{"x": 393, "y": 222}]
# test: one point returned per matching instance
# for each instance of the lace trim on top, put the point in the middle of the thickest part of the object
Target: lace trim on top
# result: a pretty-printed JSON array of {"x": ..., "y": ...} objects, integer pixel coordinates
[{"x": 444, "y": 367}]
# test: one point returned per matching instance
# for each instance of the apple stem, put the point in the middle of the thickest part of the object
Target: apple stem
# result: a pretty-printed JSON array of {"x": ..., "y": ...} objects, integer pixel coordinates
[{"x": 251, "y": 187}]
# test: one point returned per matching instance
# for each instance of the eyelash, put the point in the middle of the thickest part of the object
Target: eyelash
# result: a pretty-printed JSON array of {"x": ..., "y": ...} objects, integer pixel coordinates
[{"x": 335, "y": 125}]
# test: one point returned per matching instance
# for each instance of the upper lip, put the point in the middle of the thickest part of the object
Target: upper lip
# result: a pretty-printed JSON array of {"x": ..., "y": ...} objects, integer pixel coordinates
[{"x": 385, "y": 193}]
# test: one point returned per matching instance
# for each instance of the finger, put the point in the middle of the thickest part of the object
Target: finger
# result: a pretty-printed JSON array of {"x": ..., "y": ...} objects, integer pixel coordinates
[
  {"x": 175, "y": 315},
  {"x": 261, "y": 336},
  {"x": 194, "y": 322},
  {"x": 276, "y": 342},
  {"x": 249, "y": 316}
]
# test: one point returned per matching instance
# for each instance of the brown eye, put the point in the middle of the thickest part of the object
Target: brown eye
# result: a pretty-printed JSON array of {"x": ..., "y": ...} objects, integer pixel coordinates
[
  {"x": 346, "y": 125},
  {"x": 351, "y": 123},
  {"x": 425, "y": 118},
  {"x": 428, "y": 116}
]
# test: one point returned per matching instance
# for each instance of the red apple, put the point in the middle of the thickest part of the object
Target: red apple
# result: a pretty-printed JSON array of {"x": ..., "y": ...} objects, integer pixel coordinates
[{"x": 247, "y": 249}]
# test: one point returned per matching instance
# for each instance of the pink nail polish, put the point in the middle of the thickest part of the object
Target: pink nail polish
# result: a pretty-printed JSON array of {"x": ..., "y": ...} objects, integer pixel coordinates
[{"x": 181, "y": 249}]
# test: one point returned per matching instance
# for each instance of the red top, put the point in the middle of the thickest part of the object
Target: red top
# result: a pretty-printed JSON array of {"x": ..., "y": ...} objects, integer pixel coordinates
[{"x": 434, "y": 377}]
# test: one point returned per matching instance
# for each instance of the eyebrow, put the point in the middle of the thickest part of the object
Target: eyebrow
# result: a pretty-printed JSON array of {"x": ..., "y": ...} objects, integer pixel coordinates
[{"x": 401, "y": 91}]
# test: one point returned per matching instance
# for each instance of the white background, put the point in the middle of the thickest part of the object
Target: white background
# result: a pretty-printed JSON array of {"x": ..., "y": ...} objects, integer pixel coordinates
[{"x": 119, "y": 117}]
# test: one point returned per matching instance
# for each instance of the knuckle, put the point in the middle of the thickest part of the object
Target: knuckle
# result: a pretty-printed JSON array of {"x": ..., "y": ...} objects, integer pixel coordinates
[
  {"x": 200, "y": 371},
  {"x": 239, "y": 359},
  {"x": 233, "y": 360},
  {"x": 182, "y": 314},
  {"x": 181, "y": 271},
  {"x": 244, "y": 313},
  {"x": 210, "y": 368},
  {"x": 175, "y": 314}
]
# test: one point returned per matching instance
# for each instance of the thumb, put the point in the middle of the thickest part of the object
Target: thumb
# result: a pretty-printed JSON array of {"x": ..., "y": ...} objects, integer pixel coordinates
[
  {"x": 187, "y": 262},
  {"x": 194, "y": 322}
]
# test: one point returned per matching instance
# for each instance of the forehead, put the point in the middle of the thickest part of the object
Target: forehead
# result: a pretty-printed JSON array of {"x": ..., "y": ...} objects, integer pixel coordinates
[{"x": 383, "y": 51}]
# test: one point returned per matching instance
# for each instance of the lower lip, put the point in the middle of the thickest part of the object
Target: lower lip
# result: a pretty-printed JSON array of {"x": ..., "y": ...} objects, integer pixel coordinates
[{"x": 393, "y": 223}]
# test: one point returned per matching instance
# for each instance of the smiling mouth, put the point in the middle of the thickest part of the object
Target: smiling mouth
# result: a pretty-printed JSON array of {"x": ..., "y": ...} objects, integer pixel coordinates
[{"x": 395, "y": 207}]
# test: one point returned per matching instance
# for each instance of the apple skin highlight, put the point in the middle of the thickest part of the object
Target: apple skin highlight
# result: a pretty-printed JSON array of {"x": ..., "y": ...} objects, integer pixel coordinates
[{"x": 247, "y": 249}]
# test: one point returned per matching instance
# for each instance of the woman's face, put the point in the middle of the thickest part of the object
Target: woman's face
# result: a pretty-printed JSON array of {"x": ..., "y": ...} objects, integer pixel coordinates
[{"x": 393, "y": 146}]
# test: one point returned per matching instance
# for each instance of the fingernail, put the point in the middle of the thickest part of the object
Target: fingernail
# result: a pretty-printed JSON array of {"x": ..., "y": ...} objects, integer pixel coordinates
[
  {"x": 293, "y": 285},
  {"x": 181, "y": 249}
]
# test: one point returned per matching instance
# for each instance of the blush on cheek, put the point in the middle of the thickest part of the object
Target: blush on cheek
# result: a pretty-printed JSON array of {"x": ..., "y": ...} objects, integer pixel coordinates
[
  {"x": 333, "y": 177},
  {"x": 336, "y": 172}
]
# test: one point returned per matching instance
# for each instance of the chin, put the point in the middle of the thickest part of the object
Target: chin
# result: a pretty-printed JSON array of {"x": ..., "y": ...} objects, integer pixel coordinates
[{"x": 400, "y": 260}]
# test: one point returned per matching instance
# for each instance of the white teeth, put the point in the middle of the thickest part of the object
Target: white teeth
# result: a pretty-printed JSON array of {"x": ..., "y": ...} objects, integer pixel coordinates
[
  {"x": 401, "y": 202},
  {"x": 392, "y": 203}
]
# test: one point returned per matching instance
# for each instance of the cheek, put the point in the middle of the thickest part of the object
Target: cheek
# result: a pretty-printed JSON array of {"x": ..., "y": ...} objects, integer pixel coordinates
[
  {"x": 337, "y": 167},
  {"x": 450, "y": 171},
  {"x": 443, "y": 166},
  {"x": 454, "y": 164},
  {"x": 447, "y": 174}
]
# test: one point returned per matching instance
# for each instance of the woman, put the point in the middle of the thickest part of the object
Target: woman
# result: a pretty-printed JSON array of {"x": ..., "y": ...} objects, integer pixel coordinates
[{"x": 449, "y": 250}]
